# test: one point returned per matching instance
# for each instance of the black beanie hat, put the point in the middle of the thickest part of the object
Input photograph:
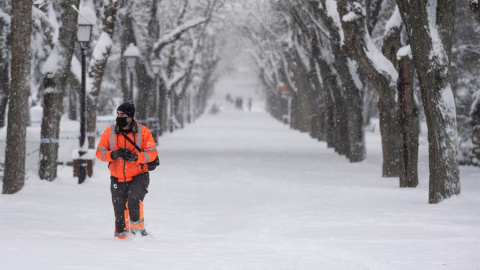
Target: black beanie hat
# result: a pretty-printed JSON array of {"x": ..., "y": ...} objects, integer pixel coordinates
[{"x": 127, "y": 108}]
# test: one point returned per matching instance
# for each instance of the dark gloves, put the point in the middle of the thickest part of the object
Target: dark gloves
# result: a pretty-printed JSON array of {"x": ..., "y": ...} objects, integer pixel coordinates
[
  {"x": 120, "y": 152},
  {"x": 130, "y": 157},
  {"x": 124, "y": 153}
]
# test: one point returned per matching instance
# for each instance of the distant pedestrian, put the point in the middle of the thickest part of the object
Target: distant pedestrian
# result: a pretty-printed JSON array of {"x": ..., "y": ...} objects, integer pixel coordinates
[
  {"x": 239, "y": 103},
  {"x": 128, "y": 167},
  {"x": 250, "y": 104},
  {"x": 229, "y": 98}
]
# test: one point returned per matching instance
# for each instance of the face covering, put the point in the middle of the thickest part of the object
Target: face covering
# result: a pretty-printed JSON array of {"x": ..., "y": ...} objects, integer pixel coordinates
[{"x": 122, "y": 122}]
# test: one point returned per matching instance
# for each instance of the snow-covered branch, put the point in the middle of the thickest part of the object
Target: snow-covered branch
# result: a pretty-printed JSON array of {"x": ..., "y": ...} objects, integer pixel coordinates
[
  {"x": 5, "y": 17},
  {"x": 176, "y": 33}
]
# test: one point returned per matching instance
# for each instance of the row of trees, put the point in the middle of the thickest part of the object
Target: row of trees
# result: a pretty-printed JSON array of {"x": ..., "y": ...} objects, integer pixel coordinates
[
  {"x": 331, "y": 54},
  {"x": 338, "y": 58},
  {"x": 177, "y": 35}
]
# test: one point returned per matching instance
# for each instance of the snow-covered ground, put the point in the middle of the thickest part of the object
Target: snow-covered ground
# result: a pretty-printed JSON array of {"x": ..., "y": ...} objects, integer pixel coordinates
[{"x": 239, "y": 190}]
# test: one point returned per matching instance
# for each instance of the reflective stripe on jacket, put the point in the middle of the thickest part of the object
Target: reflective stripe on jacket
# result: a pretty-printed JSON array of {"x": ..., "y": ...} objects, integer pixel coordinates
[{"x": 112, "y": 140}]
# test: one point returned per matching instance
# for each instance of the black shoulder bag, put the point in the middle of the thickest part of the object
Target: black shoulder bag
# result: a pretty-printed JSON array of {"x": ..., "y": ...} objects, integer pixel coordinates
[{"x": 151, "y": 165}]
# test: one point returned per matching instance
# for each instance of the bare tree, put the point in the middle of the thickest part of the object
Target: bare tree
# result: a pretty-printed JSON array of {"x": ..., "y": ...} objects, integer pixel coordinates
[
  {"x": 345, "y": 85},
  {"x": 430, "y": 27},
  {"x": 401, "y": 58},
  {"x": 100, "y": 56},
  {"x": 14, "y": 177},
  {"x": 55, "y": 71},
  {"x": 381, "y": 74},
  {"x": 4, "y": 60},
  {"x": 475, "y": 109}
]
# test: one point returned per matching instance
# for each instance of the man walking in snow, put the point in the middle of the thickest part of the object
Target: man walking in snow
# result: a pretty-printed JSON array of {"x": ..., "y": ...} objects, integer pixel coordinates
[{"x": 128, "y": 167}]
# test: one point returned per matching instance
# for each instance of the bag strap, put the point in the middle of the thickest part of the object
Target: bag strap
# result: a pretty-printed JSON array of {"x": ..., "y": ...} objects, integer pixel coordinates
[
  {"x": 130, "y": 140},
  {"x": 134, "y": 144}
]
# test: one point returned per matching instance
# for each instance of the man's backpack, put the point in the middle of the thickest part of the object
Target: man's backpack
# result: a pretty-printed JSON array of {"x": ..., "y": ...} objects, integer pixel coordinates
[{"x": 151, "y": 165}]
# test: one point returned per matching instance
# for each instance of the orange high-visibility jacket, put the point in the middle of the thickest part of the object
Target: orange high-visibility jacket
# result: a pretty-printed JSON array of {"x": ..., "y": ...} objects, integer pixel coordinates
[{"x": 112, "y": 140}]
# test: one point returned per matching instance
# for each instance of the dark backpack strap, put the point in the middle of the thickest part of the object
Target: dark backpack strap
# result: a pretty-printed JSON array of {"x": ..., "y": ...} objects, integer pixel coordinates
[
  {"x": 134, "y": 144},
  {"x": 130, "y": 141}
]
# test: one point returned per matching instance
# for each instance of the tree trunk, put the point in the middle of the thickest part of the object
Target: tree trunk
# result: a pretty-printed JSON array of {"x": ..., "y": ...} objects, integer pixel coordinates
[
  {"x": 97, "y": 68},
  {"x": 409, "y": 122},
  {"x": 126, "y": 37},
  {"x": 475, "y": 116},
  {"x": 319, "y": 92},
  {"x": 162, "y": 112},
  {"x": 348, "y": 100},
  {"x": 341, "y": 123},
  {"x": 322, "y": 128},
  {"x": 390, "y": 129},
  {"x": 337, "y": 122},
  {"x": 4, "y": 69},
  {"x": 146, "y": 87},
  {"x": 354, "y": 136},
  {"x": 302, "y": 81},
  {"x": 14, "y": 176},
  {"x": 370, "y": 102},
  {"x": 356, "y": 133},
  {"x": 330, "y": 85},
  {"x": 356, "y": 40},
  {"x": 406, "y": 97},
  {"x": 330, "y": 121},
  {"x": 475, "y": 109},
  {"x": 430, "y": 28},
  {"x": 154, "y": 104},
  {"x": 173, "y": 110},
  {"x": 73, "y": 89},
  {"x": 54, "y": 85}
]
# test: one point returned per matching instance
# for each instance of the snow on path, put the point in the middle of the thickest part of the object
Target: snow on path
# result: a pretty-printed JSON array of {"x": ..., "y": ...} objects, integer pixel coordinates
[{"x": 239, "y": 190}]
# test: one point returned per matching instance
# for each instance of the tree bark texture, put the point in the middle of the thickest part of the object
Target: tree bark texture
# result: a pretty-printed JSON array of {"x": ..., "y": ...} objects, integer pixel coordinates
[
  {"x": 317, "y": 131},
  {"x": 145, "y": 79},
  {"x": 14, "y": 176},
  {"x": 97, "y": 69},
  {"x": 348, "y": 98},
  {"x": 330, "y": 85},
  {"x": 356, "y": 149},
  {"x": 146, "y": 86},
  {"x": 162, "y": 112},
  {"x": 475, "y": 116},
  {"x": 316, "y": 111},
  {"x": 4, "y": 69},
  {"x": 475, "y": 111},
  {"x": 73, "y": 89},
  {"x": 432, "y": 61},
  {"x": 54, "y": 85},
  {"x": 126, "y": 37},
  {"x": 355, "y": 47},
  {"x": 153, "y": 93},
  {"x": 341, "y": 122},
  {"x": 301, "y": 81},
  {"x": 409, "y": 120},
  {"x": 352, "y": 107}
]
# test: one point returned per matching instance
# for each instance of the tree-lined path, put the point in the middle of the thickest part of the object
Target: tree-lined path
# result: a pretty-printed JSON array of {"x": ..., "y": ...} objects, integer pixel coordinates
[{"x": 239, "y": 190}]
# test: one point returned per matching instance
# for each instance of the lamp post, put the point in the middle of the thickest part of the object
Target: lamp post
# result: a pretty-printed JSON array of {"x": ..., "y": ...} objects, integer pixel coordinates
[
  {"x": 86, "y": 20},
  {"x": 131, "y": 54},
  {"x": 157, "y": 131}
]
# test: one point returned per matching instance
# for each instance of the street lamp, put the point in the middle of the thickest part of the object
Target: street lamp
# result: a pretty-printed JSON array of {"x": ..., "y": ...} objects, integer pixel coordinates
[
  {"x": 86, "y": 20},
  {"x": 131, "y": 54},
  {"x": 157, "y": 131}
]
